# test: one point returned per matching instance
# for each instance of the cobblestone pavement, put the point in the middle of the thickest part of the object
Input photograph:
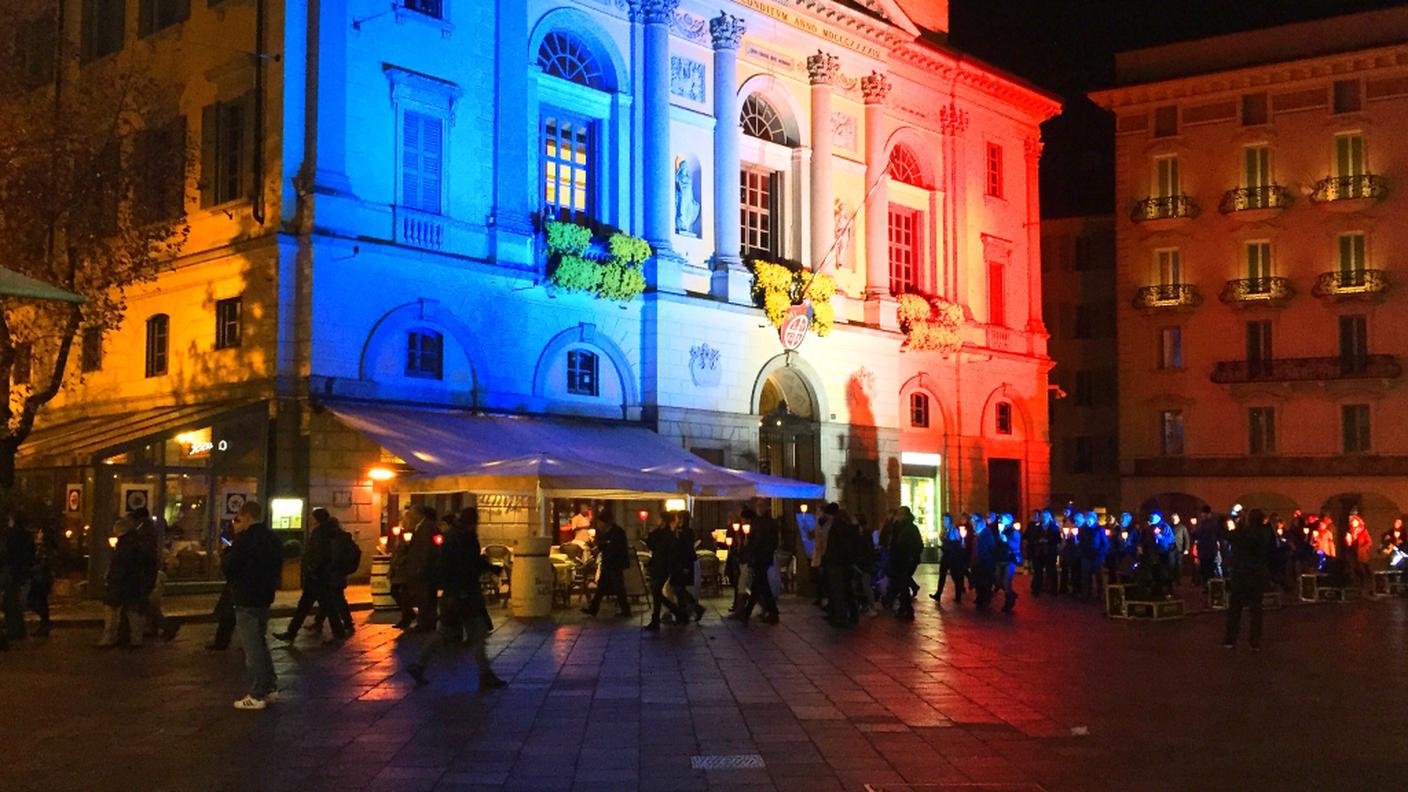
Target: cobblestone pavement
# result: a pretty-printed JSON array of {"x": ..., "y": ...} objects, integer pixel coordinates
[{"x": 1055, "y": 697}]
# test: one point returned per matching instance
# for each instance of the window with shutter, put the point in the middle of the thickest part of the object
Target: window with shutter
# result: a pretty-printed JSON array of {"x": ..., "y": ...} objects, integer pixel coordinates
[
  {"x": 102, "y": 27},
  {"x": 227, "y": 136},
  {"x": 422, "y": 156}
]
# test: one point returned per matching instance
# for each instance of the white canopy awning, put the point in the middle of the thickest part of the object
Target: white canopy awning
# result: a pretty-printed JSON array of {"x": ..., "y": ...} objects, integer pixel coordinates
[{"x": 457, "y": 450}]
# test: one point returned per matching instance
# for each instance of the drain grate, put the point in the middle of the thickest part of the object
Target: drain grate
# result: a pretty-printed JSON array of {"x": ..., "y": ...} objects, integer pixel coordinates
[{"x": 726, "y": 762}]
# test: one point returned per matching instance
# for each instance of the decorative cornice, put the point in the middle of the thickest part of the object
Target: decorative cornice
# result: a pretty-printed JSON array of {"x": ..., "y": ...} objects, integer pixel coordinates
[
  {"x": 944, "y": 68},
  {"x": 727, "y": 31},
  {"x": 875, "y": 87},
  {"x": 657, "y": 12},
  {"x": 691, "y": 28},
  {"x": 1033, "y": 146},
  {"x": 823, "y": 67}
]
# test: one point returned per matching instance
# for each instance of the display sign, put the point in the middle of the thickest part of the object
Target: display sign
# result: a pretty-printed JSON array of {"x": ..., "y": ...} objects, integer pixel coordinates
[
  {"x": 794, "y": 328},
  {"x": 73, "y": 500},
  {"x": 134, "y": 498}
]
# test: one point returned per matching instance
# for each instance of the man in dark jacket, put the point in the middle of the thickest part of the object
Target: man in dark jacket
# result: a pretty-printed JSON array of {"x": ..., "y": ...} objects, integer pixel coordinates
[
  {"x": 253, "y": 568},
  {"x": 413, "y": 569},
  {"x": 953, "y": 558},
  {"x": 122, "y": 594},
  {"x": 838, "y": 567},
  {"x": 682, "y": 559},
  {"x": 760, "y": 552},
  {"x": 18, "y": 555},
  {"x": 661, "y": 542},
  {"x": 1251, "y": 542},
  {"x": 984, "y": 559},
  {"x": 615, "y": 556},
  {"x": 318, "y": 578},
  {"x": 906, "y": 547},
  {"x": 464, "y": 615}
]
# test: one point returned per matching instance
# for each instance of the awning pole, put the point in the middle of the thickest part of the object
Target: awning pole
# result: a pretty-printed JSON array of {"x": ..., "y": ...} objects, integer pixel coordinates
[{"x": 543, "y": 516}]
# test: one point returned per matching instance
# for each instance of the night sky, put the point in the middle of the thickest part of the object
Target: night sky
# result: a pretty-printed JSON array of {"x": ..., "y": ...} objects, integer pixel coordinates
[{"x": 1068, "y": 46}]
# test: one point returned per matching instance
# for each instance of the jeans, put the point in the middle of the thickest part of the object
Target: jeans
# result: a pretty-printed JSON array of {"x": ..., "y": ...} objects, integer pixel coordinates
[
  {"x": 251, "y": 626},
  {"x": 112, "y": 623},
  {"x": 1005, "y": 574}
]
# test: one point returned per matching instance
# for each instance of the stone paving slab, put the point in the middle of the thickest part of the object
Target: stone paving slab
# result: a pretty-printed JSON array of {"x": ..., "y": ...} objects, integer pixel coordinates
[{"x": 1055, "y": 697}]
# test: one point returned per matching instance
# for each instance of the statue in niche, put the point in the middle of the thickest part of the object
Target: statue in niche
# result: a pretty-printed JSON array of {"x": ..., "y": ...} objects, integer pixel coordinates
[
  {"x": 845, "y": 232},
  {"x": 686, "y": 202}
]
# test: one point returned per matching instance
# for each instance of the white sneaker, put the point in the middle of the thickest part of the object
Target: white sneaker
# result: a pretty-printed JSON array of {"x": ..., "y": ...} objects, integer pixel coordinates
[{"x": 251, "y": 703}]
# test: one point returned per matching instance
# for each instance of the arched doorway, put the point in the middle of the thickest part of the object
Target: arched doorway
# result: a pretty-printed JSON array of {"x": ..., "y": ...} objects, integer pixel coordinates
[{"x": 789, "y": 430}]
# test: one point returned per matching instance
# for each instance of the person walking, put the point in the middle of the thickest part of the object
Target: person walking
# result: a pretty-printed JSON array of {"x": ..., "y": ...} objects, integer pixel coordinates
[
  {"x": 346, "y": 560},
  {"x": 122, "y": 592},
  {"x": 838, "y": 568},
  {"x": 317, "y": 574},
  {"x": 41, "y": 580},
  {"x": 18, "y": 554},
  {"x": 253, "y": 568},
  {"x": 1251, "y": 556},
  {"x": 661, "y": 543},
  {"x": 153, "y": 576},
  {"x": 821, "y": 537},
  {"x": 682, "y": 560},
  {"x": 1359, "y": 545},
  {"x": 1009, "y": 556},
  {"x": 906, "y": 548},
  {"x": 615, "y": 555},
  {"x": 1044, "y": 541},
  {"x": 464, "y": 613},
  {"x": 984, "y": 560},
  {"x": 1181, "y": 542},
  {"x": 399, "y": 571},
  {"x": 953, "y": 558},
  {"x": 760, "y": 551},
  {"x": 412, "y": 573}
]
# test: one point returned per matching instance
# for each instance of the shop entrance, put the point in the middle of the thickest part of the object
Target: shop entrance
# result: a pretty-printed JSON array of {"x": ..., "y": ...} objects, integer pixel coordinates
[
  {"x": 922, "y": 491},
  {"x": 789, "y": 434}
]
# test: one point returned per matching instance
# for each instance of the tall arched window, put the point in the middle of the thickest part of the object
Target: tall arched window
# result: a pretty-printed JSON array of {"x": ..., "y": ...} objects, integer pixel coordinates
[
  {"x": 758, "y": 119},
  {"x": 905, "y": 167},
  {"x": 564, "y": 55}
]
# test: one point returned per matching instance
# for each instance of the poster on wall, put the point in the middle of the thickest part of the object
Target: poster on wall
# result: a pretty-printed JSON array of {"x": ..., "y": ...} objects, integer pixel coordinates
[
  {"x": 136, "y": 497},
  {"x": 234, "y": 500},
  {"x": 73, "y": 498}
]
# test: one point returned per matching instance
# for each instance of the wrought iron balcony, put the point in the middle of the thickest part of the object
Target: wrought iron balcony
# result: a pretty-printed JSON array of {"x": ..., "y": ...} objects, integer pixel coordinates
[
  {"x": 1168, "y": 295},
  {"x": 1257, "y": 290},
  {"x": 1232, "y": 372},
  {"x": 1351, "y": 283},
  {"x": 1164, "y": 207},
  {"x": 1243, "y": 199},
  {"x": 1348, "y": 188}
]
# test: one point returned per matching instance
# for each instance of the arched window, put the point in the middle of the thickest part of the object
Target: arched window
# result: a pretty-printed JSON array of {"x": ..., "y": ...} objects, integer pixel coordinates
[
  {"x": 425, "y": 354},
  {"x": 564, "y": 55},
  {"x": 758, "y": 119},
  {"x": 582, "y": 369},
  {"x": 1004, "y": 418},
  {"x": 158, "y": 338},
  {"x": 905, "y": 167},
  {"x": 919, "y": 410}
]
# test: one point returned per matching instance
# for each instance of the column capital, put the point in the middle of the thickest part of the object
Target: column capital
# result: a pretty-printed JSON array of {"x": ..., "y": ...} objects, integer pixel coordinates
[
  {"x": 727, "y": 31},
  {"x": 656, "y": 12},
  {"x": 875, "y": 87},
  {"x": 952, "y": 121},
  {"x": 823, "y": 67},
  {"x": 1033, "y": 147}
]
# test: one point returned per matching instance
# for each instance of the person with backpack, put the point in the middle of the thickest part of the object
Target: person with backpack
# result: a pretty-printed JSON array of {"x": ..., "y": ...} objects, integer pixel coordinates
[
  {"x": 347, "y": 559},
  {"x": 318, "y": 576}
]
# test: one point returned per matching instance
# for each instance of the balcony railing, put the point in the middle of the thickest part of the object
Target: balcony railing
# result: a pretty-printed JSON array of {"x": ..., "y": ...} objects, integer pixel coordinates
[
  {"x": 1257, "y": 290},
  {"x": 1345, "y": 188},
  {"x": 1242, "y": 199},
  {"x": 1350, "y": 283},
  {"x": 1168, "y": 295},
  {"x": 1232, "y": 372},
  {"x": 1164, "y": 207}
]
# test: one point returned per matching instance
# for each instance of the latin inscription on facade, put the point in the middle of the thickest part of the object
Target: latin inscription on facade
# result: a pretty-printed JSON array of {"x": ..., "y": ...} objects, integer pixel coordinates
[{"x": 813, "y": 27}]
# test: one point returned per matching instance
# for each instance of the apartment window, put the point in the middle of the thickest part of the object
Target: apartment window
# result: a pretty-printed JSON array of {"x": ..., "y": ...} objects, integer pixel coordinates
[
  {"x": 1261, "y": 430},
  {"x": 102, "y": 27},
  {"x": 1171, "y": 432},
  {"x": 1170, "y": 265},
  {"x": 1354, "y": 419},
  {"x": 158, "y": 328},
  {"x": 1166, "y": 121},
  {"x": 423, "y": 163},
  {"x": 1256, "y": 166},
  {"x": 1351, "y": 254},
  {"x": 431, "y": 8},
  {"x": 1171, "y": 348},
  {"x": 758, "y": 201},
  {"x": 91, "y": 349},
  {"x": 21, "y": 364},
  {"x": 568, "y": 167},
  {"x": 155, "y": 15},
  {"x": 1259, "y": 348},
  {"x": 1354, "y": 343},
  {"x": 904, "y": 250},
  {"x": 228, "y": 314},
  {"x": 1254, "y": 109},
  {"x": 919, "y": 410},
  {"x": 425, "y": 354},
  {"x": 34, "y": 50},
  {"x": 1166, "y": 179},
  {"x": 994, "y": 170},
  {"x": 582, "y": 373},
  {"x": 997, "y": 294},
  {"x": 1258, "y": 256},
  {"x": 160, "y": 162},
  {"x": 1083, "y": 460},
  {"x": 1349, "y": 155},
  {"x": 227, "y": 153},
  {"x": 1085, "y": 388},
  {"x": 1003, "y": 416},
  {"x": 1347, "y": 99}
]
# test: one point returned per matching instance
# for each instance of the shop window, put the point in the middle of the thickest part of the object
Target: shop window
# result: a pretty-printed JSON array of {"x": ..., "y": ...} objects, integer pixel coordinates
[
  {"x": 1003, "y": 415},
  {"x": 158, "y": 328},
  {"x": 569, "y": 165},
  {"x": 155, "y": 15},
  {"x": 21, "y": 364},
  {"x": 102, "y": 27},
  {"x": 904, "y": 249},
  {"x": 1261, "y": 430},
  {"x": 919, "y": 410},
  {"x": 228, "y": 319},
  {"x": 994, "y": 170},
  {"x": 1171, "y": 432},
  {"x": 91, "y": 349},
  {"x": 422, "y": 161},
  {"x": 425, "y": 354},
  {"x": 227, "y": 156},
  {"x": 582, "y": 368},
  {"x": 1355, "y": 421}
]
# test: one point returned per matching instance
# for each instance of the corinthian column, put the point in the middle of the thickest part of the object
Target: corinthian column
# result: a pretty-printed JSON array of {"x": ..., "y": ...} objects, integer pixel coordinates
[
  {"x": 659, "y": 180},
  {"x": 730, "y": 280},
  {"x": 879, "y": 304},
  {"x": 1032, "y": 147},
  {"x": 822, "y": 68}
]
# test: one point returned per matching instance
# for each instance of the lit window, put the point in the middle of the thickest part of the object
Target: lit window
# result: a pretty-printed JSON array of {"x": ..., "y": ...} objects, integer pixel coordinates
[
  {"x": 158, "y": 328},
  {"x": 757, "y": 200},
  {"x": 155, "y": 15},
  {"x": 565, "y": 56},
  {"x": 919, "y": 410},
  {"x": 904, "y": 250},
  {"x": 425, "y": 354},
  {"x": 994, "y": 170},
  {"x": 1171, "y": 431},
  {"x": 228, "y": 314},
  {"x": 1261, "y": 430},
  {"x": 91, "y": 351},
  {"x": 1258, "y": 267},
  {"x": 904, "y": 167},
  {"x": 1170, "y": 265},
  {"x": 422, "y": 161},
  {"x": 758, "y": 119},
  {"x": 1004, "y": 418},
  {"x": 582, "y": 373},
  {"x": 1349, "y": 157},
  {"x": 1355, "y": 420},
  {"x": 1351, "y": 254},
  {"x": 1166, "y": 179},
  {"x": 567, "y": 167}
]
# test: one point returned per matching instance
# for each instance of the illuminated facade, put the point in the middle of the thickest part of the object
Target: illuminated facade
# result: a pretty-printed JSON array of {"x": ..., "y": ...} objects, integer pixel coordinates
[
  {"x": 388, "y": 247},
  {"x": 1260, "y": 319}
]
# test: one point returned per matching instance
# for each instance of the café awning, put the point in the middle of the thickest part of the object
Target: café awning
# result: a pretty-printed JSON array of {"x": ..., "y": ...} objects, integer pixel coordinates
[
  {"x": 458, "y": 450},
  {"x": 13, "y": 284}
]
